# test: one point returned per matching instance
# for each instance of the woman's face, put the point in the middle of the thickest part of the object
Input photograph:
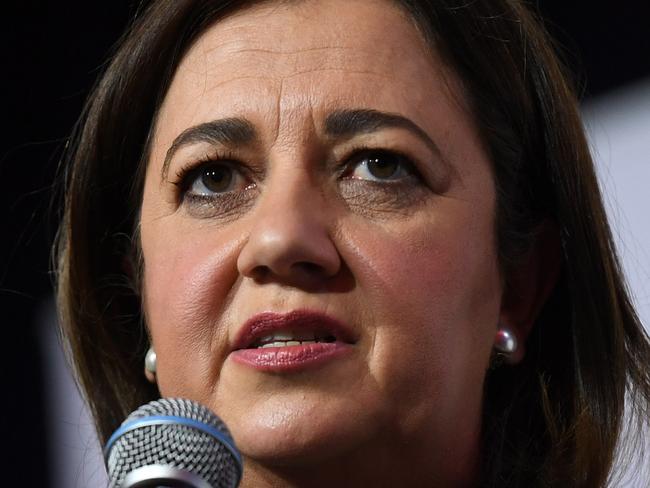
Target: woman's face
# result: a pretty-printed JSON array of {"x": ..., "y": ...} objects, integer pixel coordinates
[{"x": 314, "y": 176}]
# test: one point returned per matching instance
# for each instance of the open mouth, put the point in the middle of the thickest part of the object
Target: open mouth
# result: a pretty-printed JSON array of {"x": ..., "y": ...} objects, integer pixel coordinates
[
  {"x": 293, "y": 341},
  {"x": 299, "y": 327},
  {"x": 292, "y": 338}
]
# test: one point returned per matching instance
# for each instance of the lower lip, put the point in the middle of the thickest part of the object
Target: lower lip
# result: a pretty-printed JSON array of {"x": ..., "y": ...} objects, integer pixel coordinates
[{"x": 291, "y": 358}]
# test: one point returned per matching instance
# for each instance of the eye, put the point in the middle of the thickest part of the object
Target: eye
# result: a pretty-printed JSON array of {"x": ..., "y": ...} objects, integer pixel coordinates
[
  {"x": 214, "y": 178},
  {"x": 379, "y": 165}
]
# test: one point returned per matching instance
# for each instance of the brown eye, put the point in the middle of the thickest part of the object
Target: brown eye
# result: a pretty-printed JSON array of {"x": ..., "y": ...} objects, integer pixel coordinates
[
  {"x": 217, "y": 179},
  {"x": 380, "y": 166},
  {"x": 214, "y": 179},
  {"x": 383, "y": 166}
]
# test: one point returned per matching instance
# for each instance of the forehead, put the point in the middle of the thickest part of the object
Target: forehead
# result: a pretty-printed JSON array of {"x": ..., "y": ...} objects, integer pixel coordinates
[
  {"x": 299, "y": 37},
  {"x": 274, "y": 60}
]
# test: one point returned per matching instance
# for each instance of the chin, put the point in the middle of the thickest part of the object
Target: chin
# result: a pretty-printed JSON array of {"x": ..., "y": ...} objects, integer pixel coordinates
[{"x": 302, "y": 431}]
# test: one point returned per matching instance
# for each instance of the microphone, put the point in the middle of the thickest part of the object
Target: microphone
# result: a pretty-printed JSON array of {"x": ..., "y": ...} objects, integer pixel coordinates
[{"x": 172, "y": 442}]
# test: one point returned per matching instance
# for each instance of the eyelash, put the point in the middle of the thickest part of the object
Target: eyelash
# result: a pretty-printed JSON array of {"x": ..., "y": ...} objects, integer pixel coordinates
[
  {"x": 355, "y": 156},
  {"x": 187, "y": 174}
]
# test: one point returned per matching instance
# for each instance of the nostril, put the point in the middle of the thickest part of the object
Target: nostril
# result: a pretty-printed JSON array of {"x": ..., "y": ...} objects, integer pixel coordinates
[
  {"x": 299, "y": 270},
  {"x": 309, "y": 268},
  {"x": 261, "y": 273}
]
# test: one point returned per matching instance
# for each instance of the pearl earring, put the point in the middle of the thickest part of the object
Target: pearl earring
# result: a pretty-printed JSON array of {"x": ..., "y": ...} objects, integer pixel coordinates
[
  {"x": 150, "y": 361},
  {"x": 505, "y": 342}
]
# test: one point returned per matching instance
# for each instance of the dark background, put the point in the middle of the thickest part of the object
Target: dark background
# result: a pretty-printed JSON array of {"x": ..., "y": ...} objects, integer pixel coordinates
[{"x": 51, "y": 54}]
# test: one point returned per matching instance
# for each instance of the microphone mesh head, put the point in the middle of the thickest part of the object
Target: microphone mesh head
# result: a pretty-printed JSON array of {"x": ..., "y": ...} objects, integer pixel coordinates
[{"x": 174, "y": 444}]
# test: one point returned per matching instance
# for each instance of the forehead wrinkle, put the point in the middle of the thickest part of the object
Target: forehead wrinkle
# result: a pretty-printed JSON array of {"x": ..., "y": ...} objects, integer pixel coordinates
[
  {"x": 288, "y": 75},
  {"x": 233, "y": 80},
  {"x": 285, "y": 62},
  {"x": 296, "y": 127},
  {"x": 241, "y": 27},
  {"x": 347, "y": 71},
  {"x": 278, "y": 52},
  {"x": 278, "y": 111}
]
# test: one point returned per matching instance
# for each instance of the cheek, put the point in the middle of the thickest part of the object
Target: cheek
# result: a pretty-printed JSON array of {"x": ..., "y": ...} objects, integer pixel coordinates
[
  {"x": 187, "y": 282},
  {"x": 443, "y": 269},
  {"x": 434, "y": 295}
]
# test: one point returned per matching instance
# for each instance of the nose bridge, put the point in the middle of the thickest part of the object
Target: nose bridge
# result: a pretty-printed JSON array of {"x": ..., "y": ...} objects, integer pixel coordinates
[
  {"x": 290, "y": 229},
  {"x": 291, "y": 204}
]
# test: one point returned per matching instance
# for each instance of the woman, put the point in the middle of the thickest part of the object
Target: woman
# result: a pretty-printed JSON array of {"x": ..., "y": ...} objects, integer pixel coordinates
[{"x": 366, "y": 233}]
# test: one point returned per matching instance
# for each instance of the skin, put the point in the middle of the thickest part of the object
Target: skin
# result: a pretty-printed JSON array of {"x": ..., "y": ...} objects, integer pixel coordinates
[{"x": 410, "y": 264}]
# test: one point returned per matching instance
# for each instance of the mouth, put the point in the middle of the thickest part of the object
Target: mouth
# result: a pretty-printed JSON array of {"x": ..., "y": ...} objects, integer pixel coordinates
[
  {"x": 290, "y": 342},
  {"x": 292, "y": 338}
]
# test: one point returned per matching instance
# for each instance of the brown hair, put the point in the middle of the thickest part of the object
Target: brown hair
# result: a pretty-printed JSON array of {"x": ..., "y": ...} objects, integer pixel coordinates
[{"x": 553, "y": 420}]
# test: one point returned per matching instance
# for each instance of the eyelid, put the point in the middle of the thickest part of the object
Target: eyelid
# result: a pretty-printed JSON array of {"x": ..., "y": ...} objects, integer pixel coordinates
[
  {"x": 356, "y": 156},
  {"x": 431, "y": 171},
  {"x": 189, "y": 170}
]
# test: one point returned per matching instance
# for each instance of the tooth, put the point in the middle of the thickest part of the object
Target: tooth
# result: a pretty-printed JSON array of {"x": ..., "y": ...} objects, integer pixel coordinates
[
  {"x": 289, "y": 336},
  {"x": 287, "y": 343}
]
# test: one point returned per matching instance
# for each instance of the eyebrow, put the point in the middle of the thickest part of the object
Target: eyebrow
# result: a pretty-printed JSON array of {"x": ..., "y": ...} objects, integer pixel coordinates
[
  {"x": 345, "y": 124},
  {"x": 230, "y": 131},
  {"x": 340, "y": 124}
]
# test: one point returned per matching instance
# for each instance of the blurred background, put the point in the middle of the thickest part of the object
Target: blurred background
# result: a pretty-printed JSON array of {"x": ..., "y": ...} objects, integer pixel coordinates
[{"x": 51, "y": 54}]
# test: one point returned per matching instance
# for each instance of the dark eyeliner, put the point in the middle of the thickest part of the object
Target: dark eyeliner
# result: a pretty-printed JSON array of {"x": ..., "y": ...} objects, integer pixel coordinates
[
  {"x": 356, "y": 155},
  {"x": 187, "y": 174}
]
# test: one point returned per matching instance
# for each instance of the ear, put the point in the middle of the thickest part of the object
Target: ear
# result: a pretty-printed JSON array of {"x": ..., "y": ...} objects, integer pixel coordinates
[{"x": 529, "y": 284}]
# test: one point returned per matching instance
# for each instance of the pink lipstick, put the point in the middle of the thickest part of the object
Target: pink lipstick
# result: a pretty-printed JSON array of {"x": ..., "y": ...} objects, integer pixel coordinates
[{"x": 291, "y": 342}]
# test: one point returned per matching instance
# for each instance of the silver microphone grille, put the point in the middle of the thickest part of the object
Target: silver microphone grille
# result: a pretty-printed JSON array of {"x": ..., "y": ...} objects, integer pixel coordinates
[{"x": 176, "y": 433}]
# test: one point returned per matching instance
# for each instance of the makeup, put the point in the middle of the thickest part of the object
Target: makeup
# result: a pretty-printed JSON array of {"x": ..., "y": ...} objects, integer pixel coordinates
[{"x": 291, "y": 342}]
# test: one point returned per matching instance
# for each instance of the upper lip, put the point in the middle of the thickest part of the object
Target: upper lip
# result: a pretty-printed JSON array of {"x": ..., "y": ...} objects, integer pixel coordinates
[{"x": 266, "y": 323}]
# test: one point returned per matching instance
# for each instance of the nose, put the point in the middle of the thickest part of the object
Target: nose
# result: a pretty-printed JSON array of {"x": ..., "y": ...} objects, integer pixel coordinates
[{"x": 290, "y": 238}]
